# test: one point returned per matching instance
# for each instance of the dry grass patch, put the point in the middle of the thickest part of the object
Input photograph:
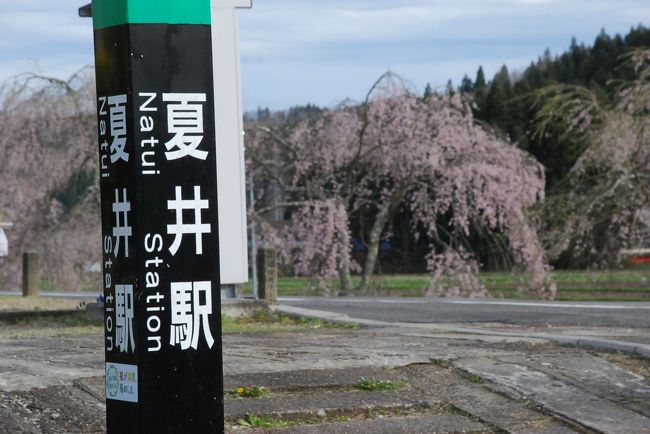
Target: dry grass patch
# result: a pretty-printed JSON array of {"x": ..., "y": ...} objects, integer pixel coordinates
[{"x": 16, "y": 303}]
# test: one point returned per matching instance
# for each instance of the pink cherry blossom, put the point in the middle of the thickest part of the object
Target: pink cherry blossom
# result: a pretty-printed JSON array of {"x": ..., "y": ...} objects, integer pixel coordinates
[{"x": 396, "y": 150}]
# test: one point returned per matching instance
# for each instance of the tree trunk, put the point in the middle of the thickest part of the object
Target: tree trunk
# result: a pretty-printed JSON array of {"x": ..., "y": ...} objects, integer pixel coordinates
[
  {"x": 373, "y": 245},
  {"x": 344, "y": 262}
]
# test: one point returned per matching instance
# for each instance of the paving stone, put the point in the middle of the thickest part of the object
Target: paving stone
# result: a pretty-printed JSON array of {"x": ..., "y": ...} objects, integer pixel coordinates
[
  {"x": 321, "y": 404},
  {"x": 506, "y": 414},
  {"x": 447, "y": 423},
  {"x": 303, "y": 379},
  {"x": 493, "y": 408},
  {"x": 94, "y": 386},
  {"x": 594, "y": 375},
  {"x": 37, "y": 362},
  {"x": 342, "y": 349},
  {"x": 326, "y": 350},
  {"x": 564, "y": 399}
]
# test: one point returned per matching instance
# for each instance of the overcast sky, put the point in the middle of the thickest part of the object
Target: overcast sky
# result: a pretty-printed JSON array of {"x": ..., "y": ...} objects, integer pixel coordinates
[{"x": 323, "y": 51}]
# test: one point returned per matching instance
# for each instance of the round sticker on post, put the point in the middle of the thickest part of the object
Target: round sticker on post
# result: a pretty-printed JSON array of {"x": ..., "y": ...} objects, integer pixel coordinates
[{"x": 112, "y": 382}]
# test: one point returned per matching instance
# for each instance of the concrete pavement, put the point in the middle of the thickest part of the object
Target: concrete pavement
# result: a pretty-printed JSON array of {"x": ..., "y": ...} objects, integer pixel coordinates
[{"x": 451, "y": 380}]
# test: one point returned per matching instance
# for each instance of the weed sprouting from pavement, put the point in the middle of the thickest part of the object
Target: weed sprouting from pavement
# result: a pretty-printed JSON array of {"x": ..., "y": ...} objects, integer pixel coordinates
[
  {"x": 474, "y": 378},
  {"x": 372, "y": 384},
  {"x": 248, "y": 392},
  {"x": 441, "y": 362},
  {"x": 253, "y": 420}
]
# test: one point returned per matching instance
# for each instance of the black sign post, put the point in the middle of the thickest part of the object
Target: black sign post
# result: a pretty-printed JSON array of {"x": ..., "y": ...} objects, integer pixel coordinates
[{"x": 159, "y": 216}]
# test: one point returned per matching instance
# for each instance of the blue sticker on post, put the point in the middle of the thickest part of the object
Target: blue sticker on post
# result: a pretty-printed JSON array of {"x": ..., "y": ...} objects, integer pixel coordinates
[{"x": 122, "y": 382}]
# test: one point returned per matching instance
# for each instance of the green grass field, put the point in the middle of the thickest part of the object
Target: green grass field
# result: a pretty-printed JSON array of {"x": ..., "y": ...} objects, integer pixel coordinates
[{"x": 607, "y": 285}]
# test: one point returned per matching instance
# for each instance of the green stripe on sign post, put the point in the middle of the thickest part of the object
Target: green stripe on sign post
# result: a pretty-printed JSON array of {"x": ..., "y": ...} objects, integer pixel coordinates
[{"x": 109, "y": 13}]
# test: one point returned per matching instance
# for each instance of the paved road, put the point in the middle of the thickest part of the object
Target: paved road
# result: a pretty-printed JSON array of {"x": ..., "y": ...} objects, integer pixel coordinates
[
  {"x": 528, "y": 313},
  {"x": 72, "y": 295}
]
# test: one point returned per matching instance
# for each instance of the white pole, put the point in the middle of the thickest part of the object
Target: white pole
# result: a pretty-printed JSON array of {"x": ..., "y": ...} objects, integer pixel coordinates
[
  {"x": 256, "y": 292},
  {"x": 231, "y": 185}
]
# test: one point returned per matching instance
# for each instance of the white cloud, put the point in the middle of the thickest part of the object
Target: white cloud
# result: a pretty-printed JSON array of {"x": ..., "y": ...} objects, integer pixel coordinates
[
  {"x": 298, "y": 51},
  {"x": 43, "y": 36},
  {"x": 271, "y": 30},
  {"x": 302, "y": 45},
  {"x": 536, "y": 2}
]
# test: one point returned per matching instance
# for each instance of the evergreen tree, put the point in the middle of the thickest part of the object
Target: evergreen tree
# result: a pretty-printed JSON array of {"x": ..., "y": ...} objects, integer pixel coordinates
[
  {"x": 479, "y": 88},
  {"x": 427, "y": 91},
  {"x": 496, "y": 107},
  {"x": 638, "y": 37},
  {"x": 263, "y": 114},
  {"x": 466, "y": 85},
  {"x": 603, "y": 60},
  {"x": 450, "y": 88},
  {"x": 480, "y": 78}
]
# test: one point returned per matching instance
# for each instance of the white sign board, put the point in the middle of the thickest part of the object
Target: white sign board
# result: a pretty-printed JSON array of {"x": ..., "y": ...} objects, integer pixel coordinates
[
  {"x": 231, "y": 185},
  {"x": 4, "y": 244}
]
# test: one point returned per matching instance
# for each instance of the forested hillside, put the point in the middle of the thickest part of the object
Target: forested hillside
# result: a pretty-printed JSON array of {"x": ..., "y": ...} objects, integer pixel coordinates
[{"x": 509, "y": 100}]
